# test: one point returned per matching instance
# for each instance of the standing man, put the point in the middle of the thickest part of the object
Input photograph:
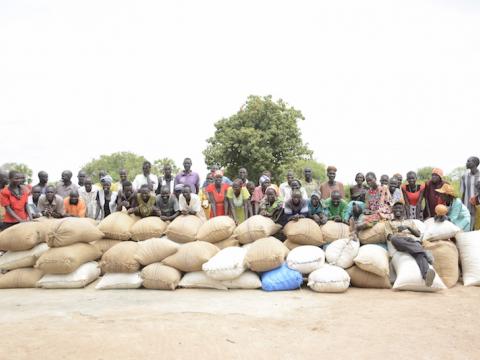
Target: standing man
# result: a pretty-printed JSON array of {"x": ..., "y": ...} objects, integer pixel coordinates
[
  {"x": 118, "y": 186},
  {"x": 146, "y": 178},
  {"x": 65, "y": 187},
  {"x": 331, "y": 185},
  {"x": 188, "y": 177},
  {"x": 285, "y": 188},
  {"x": 242, "y": 175},
  {"x": 89, "y": 195},
  {"x": 167, "y": 180},
  {"x": 467, "y": 185},
  {"x": 81, "y": 178},
  {"x": 310, "y": 184},
  {"x": 42, "y": 180}
]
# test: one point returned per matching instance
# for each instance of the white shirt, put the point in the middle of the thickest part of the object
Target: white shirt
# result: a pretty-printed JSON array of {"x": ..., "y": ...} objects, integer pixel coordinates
[
  {"x": 141, "y": 179},
  {"x": 195, "y": 205}
]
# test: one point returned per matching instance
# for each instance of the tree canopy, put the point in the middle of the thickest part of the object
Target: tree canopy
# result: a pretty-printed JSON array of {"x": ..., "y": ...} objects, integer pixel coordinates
[
  {"x": 424, "y": 173},
  {"x": 262, "y": 135},
  {"x": 24, "y": 169},
  {"x": 113, "y": 163}
]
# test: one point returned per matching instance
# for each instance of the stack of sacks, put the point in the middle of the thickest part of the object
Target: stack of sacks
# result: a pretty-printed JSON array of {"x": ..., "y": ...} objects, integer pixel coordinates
[
  {"x": 116, "y": 228},
  {"x": 374, "y": 235},
  {"x": 218, "y": 231},
  {"x": 155, "y": 275},
  {"x": 302, "y": 232},
  {"x": 24, "y": 244},
  {"x": 468, "y": 244},
  {"x": 332, "y": 231},
  {"x": 254, "y": 228},
  {"x": 184, "y": 228},
  {"x": 120, "y": 267},
  {"x": 70, "y": 261},
  {"x": 371, "y": 269}
]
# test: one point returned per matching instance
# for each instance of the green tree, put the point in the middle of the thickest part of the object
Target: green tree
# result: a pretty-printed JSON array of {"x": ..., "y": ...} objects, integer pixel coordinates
[
  {"x": 456, "y": 174},
  {"x": 113, "y": 163},
  {"x": 424, "y": 173},
  {"x": 262, "y": 135},
  {"x": 24, "y": 169},
  {"x": 157, "y": 167}
]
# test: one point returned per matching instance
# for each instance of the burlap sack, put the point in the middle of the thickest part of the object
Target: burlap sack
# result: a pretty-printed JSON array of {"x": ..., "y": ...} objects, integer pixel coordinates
[
  {"x": 334, "y": 230},
  {"x": 373, "y": 235},
  {"x": 364, "y": 279},
  {"x": 191, "y": 256},
  {"x": 265, "y": 254},
  {"x": 121, "y": 258},
  {"x": 184, "y": 228},
  {"x": 73, "y": 230},
  {"x": 20, "y": 278},
  {"x": 230, "y": 242},
  {"x": 304, "y": 232},
  {"x": 22, "y": 236},
  {"x": 254, "y": 228},
  {"x": 216, "y": 229},
  {"x": 290, "y": 244},
  {"x": 67, "y": 259},
  {"x": 117, "y": 226},
  {"x": 148, "y": 228},
  {"x": 160, "y": 277},
  {"x": 445, "y": 263},
  {"x": 104, "y": 244},
  {"x": 21, "y": 259},
  {"x": 155, "y": 250}
]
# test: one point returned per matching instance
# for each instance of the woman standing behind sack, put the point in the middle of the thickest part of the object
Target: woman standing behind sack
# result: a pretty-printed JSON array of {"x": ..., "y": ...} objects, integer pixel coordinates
[
  {"x": 106, "y": 199},
  {"x": 14, "y": 198},
  {"x": 377, "y": 202},
  {"x": 216, "y": 193},
  {"x": 432, "y": 197},
  {"x": 413, "y": 196},
  {"x": 238, "y": 198},
  {"x": 457, "y": 212}
]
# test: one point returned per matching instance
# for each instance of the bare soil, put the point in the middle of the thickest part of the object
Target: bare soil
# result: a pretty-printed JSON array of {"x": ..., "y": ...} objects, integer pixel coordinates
[{"x": 239, "y": 324}]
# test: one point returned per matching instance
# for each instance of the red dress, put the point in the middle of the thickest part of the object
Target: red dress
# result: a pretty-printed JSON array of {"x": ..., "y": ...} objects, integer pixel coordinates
[
  {"x": 219, "y": 198},
  {"x": 7, "y": 198}
]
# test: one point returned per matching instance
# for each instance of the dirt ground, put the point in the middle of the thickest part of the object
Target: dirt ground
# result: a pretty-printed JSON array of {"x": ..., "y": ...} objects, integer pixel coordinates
[{"x": 239, "y": 324}]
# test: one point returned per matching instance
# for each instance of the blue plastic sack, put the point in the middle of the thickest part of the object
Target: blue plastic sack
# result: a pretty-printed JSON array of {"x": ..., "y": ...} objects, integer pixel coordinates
[{"x": 281, "y": 278}]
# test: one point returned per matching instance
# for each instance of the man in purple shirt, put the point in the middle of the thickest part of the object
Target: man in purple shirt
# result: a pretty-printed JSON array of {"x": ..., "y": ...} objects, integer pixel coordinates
[{"x": 188, "y": 177}]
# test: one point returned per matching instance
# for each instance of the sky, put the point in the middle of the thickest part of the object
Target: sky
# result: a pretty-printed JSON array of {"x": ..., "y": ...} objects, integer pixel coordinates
[{"x": 385, "y": 86}]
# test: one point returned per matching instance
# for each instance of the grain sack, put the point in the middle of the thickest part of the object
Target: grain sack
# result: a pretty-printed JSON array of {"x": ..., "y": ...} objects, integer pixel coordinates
[
  {"x": 160, "y": 277},
  {"x": 439, "y": 230},
  {"x": 329, "y": 279},
  {"x": 227, "y": 264},
  {"x": 306, "y": 259},
  {"x": 117, "y": 226},
  {"x": 198, "y": 279},
  {"x": 373, "y": 235},
  {"x": 67, "y": 259},
  {"x": 304, "y": 232},
  {"x": 148, "y": 228},
  {"x": 409, "y": 276},
  {"x": 184, "y": 228},
  {"x": 120, "y": 281},
  {"x": 80, "y": 278},
  {"x": 290, "y": 244},
  {"x": 104, "y": 244},
  {"x": 374, "y": 259},
  {"x": 23, "y": 236},
  {"x": 21, "y": 259},
  {"x": 71, "y": 231},
  {"x": 230, "y": 242},
  {"x": 368, "y": 280},
  {"x": 332, "y": 231},
  {"x": 342, "y": 252},
  {"x": 121, "y": 258},
  {"x": 248, "y": 280},
  {"x": 468, "y": 244},
  {"x": 155, "y": 250},
  {"x": 265, "y": 254},
  {"x": 445, "y": 255},
  {"x": 191, "y": 256},
  {"x": 20, "y": 278},
  {"x": 254, "y": 228},
  {"x": 281, "y": 279},
  {"x": 216, "y": 229}
]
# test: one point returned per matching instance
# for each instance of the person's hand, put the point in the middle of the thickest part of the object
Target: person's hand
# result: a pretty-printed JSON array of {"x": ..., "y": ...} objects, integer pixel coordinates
[
  {"x": 337, "y": 219},
  {"x": 402, "y": 228},
  {"x": 163, "y": 218},
  {"x": 185, "y": 212},
  {"x": 295, "y": 218},
  {"x": 125, "y": 203},
  {"x": 131, "y": 210}
]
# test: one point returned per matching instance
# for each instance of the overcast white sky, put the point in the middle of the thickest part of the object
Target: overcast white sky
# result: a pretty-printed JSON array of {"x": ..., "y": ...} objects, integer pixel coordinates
[{"x": 387, "y": 86}]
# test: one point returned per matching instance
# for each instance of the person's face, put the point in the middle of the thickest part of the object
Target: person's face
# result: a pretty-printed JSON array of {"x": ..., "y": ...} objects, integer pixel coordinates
[
  {"x": 88, "y": 185},
  {"x": 315, "y": 201},
  {"x": 266, "y": 184},
  {"x": 359, "y": 179},
  {"x": 471, "y": 163},
  {"x": 371, "y": 181},
  {"x": 123, "y": 175},
  {"x": 187, "y": 165},
  {"x": 236, "y": 187},
  {"x": 22, "y": 181},
  {"x": 50, "y": 194},
  {"x": 186, "y": 192},
  {"x": 295, "y": 185},
  {"x": 331, "y": 175},
  {"x": 218, "y": 180},
  {"x": 167, "y": 170},
  {"x": 146, "y": 169},
  {"x": 242, "y": 173},
  {"x": 165, "y": 194},
  {"x": 209, "y": 179},
  {"x": 36, "y": 192},
  {"x": 81, "y": 177},
  {"x": 250, "y": 188},
  {"x": 66, "y": 176},
  {"x": 393, "y": 184},
  {"x": 271, "y": 196},
  {"x": 335, "y": 200},
  {"x": 307, "y": 173},
  {"x": 74, "y": 199},
  {"x": 436, "y": 179},
  {"x": 411, "y": 179},
  {"x": 128, "y": 190},
  {"x": 398, "y": 211},
  {"x": 43, "y": 178},
  {"x": 145, "y": 194},
  {"x": 290, "y": 177},
  {"x": 296, "y": 199},
  {"x": 106, "y": 186},
  {"x": 213, "y": 168},
  {"x": 17, "y": 180},
  {"x": 384, "y": 180}
]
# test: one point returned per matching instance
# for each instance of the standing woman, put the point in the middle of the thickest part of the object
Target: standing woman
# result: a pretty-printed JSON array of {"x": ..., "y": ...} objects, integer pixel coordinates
[
  {"x": 432, "y": 197},
  {"x": 216, "y": 195},
  {"x": 238, "y": 198},
  {"x": 14, "y": 199},
  {"x": 358, "y": 191},
  {"x": 106, "y": 199},
  {"x": 377, "y": 202},
  {"x": 413, "y": 196}
]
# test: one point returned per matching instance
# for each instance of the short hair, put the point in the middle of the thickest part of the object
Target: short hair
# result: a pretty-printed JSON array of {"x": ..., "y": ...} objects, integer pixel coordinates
[
  {"x": 370, "y": 174},
  {"x": 331, "y": 168},
  {"x": 411, "y": 173},
  {"x": 13, "y": 173},
  {"x": 146, "y": 162},
  {"x": 476, "y": 159}
]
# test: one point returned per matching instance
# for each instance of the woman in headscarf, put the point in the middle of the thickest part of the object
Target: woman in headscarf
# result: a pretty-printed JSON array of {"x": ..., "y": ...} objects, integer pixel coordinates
[
  {"x": 316, "y": 210},
  {"x": 146, "y": 203},
  {"x": 216, "y": 195},
  {"x": 260, "y": 192},
  {"x": 432, "y": 197},
  {"x": 377, "y": 202},
  {"x": 458, "y": 213},
  {"x": 238, "y": 198},
  {"x": 106, "y": 199},
  {"x": 203, "y": 195},
  {"x": 413, "y": 196},
  {"x": 271, "y": 206}
]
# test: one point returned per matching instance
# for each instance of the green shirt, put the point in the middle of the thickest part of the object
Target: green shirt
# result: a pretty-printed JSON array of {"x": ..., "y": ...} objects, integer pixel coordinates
[{"x": 334, "y": 211}]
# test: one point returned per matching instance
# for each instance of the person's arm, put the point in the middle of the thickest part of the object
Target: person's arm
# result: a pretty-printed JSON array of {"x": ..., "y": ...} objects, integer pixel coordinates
[
  {"x": 97, "y": 212},
  {"x": 213, "y": 205},
  {"x": 83, "y": 209},
  {"x": 246, "y": 209},
  {"x": 233, "y": 213},
  {"x": 197, "y": 184},
  {"x": 462, "y": 187},
  {"x": 13, "y": 214}
]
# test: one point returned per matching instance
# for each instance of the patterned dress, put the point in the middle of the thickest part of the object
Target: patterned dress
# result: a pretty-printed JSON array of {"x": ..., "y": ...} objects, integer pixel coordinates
[{"x": 377, "y": 202}]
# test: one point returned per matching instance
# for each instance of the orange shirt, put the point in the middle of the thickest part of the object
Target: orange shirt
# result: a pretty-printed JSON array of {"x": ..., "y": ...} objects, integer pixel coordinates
[{"x": 74, "y": 210}]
